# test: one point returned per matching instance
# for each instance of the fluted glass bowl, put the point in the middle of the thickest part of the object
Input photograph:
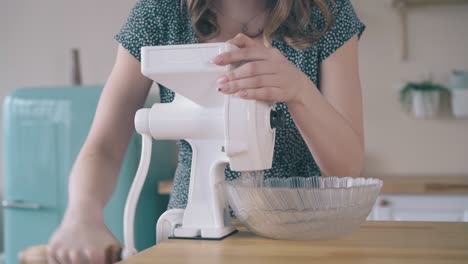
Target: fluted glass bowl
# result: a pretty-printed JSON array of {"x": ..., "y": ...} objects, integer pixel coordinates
[{"x": 300, "y": 208}]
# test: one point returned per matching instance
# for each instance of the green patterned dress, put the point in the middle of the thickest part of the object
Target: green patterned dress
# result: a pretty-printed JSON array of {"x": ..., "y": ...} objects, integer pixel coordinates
[{"x": 161, "y": 22}]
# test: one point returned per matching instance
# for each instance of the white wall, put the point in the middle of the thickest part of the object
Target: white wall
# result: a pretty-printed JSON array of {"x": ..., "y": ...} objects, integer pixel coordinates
[
  {"x": 37, "y": 37},
  {"x": 396, "y": 143}
]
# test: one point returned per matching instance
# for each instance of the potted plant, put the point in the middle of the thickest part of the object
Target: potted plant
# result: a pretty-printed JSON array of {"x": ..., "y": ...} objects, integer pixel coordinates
[
  {"x": 459, "y": 92},
  {"x": 423, "y": 98}
]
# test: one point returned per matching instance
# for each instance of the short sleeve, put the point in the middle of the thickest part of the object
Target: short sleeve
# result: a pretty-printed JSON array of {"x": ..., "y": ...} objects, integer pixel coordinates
[
  {"x": 347, "y": 25},
  {"x": 140, "y": 28}
]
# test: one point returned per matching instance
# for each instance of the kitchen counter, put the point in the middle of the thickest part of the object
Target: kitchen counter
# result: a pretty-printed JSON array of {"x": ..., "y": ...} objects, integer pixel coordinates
[
  {"x": 425, "y": 184},
  {"x": 375, "y": 242},
  {"x": 443, "y": 184}
]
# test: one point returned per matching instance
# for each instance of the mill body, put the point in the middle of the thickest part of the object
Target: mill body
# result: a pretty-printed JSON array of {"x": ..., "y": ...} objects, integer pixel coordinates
[{"x": 221, "y": 129}]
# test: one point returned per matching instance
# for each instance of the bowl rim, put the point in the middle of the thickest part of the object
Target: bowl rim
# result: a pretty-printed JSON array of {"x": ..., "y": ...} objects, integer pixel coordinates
[{"x": 375, "y": 183}]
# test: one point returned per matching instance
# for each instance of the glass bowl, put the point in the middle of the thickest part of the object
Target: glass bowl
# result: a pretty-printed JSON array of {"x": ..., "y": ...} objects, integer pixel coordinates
[{"x": 299, "y": 208}]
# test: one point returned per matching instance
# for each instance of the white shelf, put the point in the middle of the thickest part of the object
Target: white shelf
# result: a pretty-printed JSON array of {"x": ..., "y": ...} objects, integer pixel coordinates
[
  {"x": 420, "y": 3},
  {"x": 403, "y": 6}
]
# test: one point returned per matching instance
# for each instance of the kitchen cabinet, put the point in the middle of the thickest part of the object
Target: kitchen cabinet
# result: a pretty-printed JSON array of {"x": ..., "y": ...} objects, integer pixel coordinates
[{"x": 405, "y": 207}]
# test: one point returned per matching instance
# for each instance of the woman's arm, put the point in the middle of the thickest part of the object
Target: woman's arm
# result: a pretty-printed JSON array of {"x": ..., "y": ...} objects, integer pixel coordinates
[
  {"x": 83, "y": 236},
  {"x": 330, "y": 123},
  {"x": 95, "y": 172}
]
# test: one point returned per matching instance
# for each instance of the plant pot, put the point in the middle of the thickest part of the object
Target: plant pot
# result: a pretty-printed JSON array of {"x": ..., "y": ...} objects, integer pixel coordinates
[
  {"x": 425, "y": 104},
  {"x": 459, "y": 92},
  {"x": 459, "y": 102},
  {"x": 459, "y": 80}
]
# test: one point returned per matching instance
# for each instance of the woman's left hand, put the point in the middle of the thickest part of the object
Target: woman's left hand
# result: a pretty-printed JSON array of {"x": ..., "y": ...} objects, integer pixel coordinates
[{"x": 265, "y": 75}]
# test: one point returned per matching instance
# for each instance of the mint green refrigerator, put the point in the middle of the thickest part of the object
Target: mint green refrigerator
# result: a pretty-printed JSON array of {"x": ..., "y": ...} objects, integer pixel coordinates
[{"x": 43, "y": 131}]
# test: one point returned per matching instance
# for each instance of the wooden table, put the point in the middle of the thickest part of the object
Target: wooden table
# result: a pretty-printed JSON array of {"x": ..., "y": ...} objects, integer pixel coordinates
[{"x": 375, "y": 242}]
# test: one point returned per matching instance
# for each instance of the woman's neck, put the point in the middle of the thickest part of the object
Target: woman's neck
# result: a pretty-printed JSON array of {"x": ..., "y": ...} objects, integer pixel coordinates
[
  {"x": 233, "y": 14},
  {"x": 242, "y": 10}
]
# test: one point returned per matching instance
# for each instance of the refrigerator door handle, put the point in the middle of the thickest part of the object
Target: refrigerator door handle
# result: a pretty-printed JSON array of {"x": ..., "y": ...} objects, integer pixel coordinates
[{"x": 18, "y": 204}]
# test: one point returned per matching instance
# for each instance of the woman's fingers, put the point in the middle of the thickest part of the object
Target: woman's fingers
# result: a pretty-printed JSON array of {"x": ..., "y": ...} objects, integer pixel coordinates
[
  {"x": 243, "y": 41},
  {"x": 90, "y": 256},
  {"x": 95, "y": 257},
  {"x": 251, "y": 75},
  {"x": 52, "y": 260},
  {"x": 61, "y": 256},
  {"x": 257, "y": 77},
  {"x": 52, "y": 256},
  {"x": 77, "y": 257},
  {"x": 259, "y": 81},
  {"x": 248, "y": 70},
  {"x": 272, "y": 94},
  {"x": 242, "y": 55}
]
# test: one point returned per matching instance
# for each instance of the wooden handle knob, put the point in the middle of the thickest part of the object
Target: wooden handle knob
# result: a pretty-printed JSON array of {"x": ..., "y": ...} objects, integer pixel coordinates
[
  {"x": 113, "y": 254},
  {"x": 76, "y": 67}
]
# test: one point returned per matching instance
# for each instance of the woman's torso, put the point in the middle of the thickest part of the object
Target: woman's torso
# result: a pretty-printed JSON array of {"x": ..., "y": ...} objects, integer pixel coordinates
[
  {"x": 163, "y": 22},
  {"x": 291, "y": 156}
]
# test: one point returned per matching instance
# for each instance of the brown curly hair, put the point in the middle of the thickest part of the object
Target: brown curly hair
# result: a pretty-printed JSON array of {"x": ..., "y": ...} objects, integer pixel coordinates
[{"x": 288, "y": 20}]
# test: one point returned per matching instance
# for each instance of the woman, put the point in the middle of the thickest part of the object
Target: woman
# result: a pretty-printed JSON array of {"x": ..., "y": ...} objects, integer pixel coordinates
[{"x": 302, "y": 54}]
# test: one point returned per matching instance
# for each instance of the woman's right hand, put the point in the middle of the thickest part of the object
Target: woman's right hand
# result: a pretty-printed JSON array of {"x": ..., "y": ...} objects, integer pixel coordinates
[
  {"x": 83, "y": 236},
  {"x": 81, "y": 239}
]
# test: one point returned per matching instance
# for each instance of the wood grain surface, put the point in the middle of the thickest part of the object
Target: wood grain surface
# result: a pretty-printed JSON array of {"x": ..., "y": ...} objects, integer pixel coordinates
[{"x": 375, "y": 242}]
